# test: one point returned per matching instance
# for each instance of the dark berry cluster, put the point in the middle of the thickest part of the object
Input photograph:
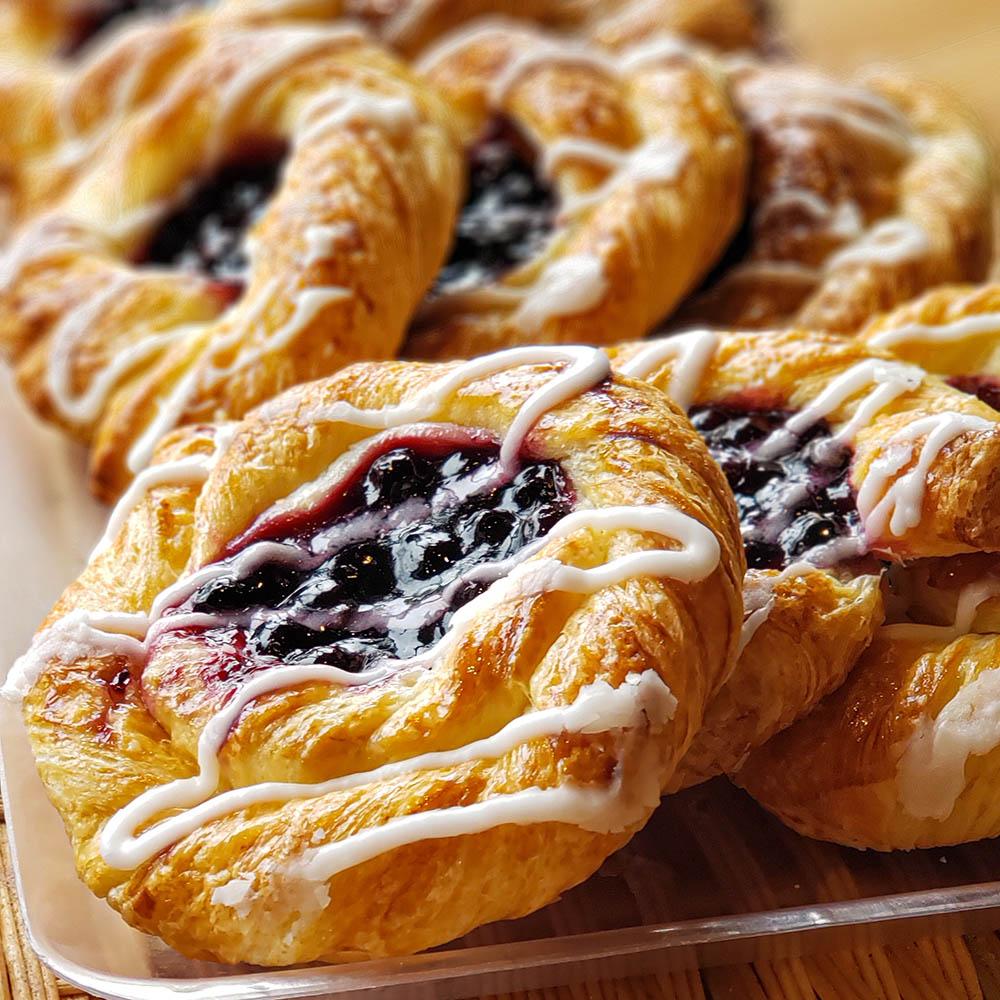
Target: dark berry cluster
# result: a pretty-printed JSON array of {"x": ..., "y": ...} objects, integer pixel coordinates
[
  {"x": 206, "y": 234},
  {"x": 789, "y": 505},
  {"x": 986, "y": 387},
  {"x": 387, "y": 590},
  {"x": 508, "y": 213}
]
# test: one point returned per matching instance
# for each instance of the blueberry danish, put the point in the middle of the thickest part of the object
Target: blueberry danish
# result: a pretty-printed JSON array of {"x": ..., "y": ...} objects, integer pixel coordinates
[
  {"x": 602, "y": 186},
  {"x": 337, "y": 665},
  {"x": 238, "y": 237},
  {"x": 840, "y": 459}
]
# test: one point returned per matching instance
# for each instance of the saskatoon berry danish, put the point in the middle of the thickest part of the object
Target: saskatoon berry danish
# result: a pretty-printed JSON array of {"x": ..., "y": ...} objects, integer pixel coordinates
[
  {"x": 861, "y": 196},
  {"x": 906, "y": 753},
  {"x": 399, "y": 630},
  {"x": 238, "y": 237},
  {"x": 836, "y": 455},
  {"x": 601, "y": 188}
]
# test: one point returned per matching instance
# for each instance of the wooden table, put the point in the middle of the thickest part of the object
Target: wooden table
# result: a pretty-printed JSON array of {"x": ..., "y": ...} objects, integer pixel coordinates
[{"x": 957, "y": 43}]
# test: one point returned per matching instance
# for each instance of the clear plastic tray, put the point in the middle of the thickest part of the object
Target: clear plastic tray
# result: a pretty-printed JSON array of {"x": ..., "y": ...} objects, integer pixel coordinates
[{"x": 711, "y": 879}]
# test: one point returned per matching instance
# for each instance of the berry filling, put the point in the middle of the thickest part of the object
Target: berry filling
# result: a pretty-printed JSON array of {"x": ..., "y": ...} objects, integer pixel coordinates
[
  {"x": 985, "y": 387},
  {"x": 508, "y": 214},
  {"x": 791, "y": 505},
  {"x": 407, "y": 542},
  {"x": 206, "y": 234},
  {"x": 99, "y": 15}
]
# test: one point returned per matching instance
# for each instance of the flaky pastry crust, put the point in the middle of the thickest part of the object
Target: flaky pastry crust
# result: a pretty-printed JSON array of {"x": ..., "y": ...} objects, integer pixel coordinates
[
  {"x": 861, "y": 196},
  {"x": 620, "y": 443},
  {"x": 904, "y": 754},
  {"x": 647, "y": 161},
  {"x": 953, "y": 331},
  {"x": 118, "y": 353}
]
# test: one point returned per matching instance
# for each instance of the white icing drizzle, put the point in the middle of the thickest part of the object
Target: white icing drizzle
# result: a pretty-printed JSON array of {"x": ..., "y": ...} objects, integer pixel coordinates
[
  {"x": 76, "y": 635},
  {"x": 781, "y": 97},
  {"x": 889, "y": 379},
  {"x": 759, "y": 598},
  {"x": 395, "y": 115},
  {"x": 136, "y": 52},
  {"x": 889, "y": 242},
  {"x": 691, "y": 352},
  {"x": 898, "y": 506},
  {"x": 38, "y": 242},
  {"x": 598, "y": 708},
  {"x": 569, "y": 285},
  {"x": 168, "y": 416},
  {"x": 843, "y": 219},
  {"x": 655, "y": 161},
  {"x": 306, "y": 306},
  {"x": 965, "y": 328},
  {"x": 286, "y": 49},
  {"x": 970, "y": 599},
  {"x": 65, "y": 337},
  {"x": 549, "y": 53},
  {"x": 322, "y": 241},
  {"x": 190, "y": 471},
  {"x": 931, "y": 772},
  {"x": 654, "y": 51},
  {"x": 588, "y": 366}
]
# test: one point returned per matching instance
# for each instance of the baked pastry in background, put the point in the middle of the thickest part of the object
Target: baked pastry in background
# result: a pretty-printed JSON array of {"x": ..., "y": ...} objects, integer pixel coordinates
[
  {"x": 838, "y": 457},
  {"x": 411, "y": 25},
  {"x": 239, "y": 236},
  {"x": 861, "y": 196},
  {"x": 74, "y": 70},
  {"x": 398, "y": 630},
  {"x": 905, "y": 754},
  {"x": 63, "y": 27},
  {"x": 602, "y": 188}
]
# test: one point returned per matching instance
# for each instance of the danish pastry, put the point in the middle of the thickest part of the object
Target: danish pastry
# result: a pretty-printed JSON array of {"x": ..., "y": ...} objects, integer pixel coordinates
[
  {"x": 412, "y": 25},
  {"x": 833, "y": 453},
  {"x": 141, "y": 303},
  {"x": 913, "y": 727},
  {"x": 602, "y": 187},
  {"x": 953, "y": 331},
  {"x": 861, "y": 196},
  {"x": 337, "y": 665}
]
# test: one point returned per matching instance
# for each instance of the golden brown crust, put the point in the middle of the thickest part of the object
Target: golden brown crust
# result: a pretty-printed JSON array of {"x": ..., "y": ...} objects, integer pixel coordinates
[
  {"x": 788, "y": 370},
  {"x": 903, "y": 754},
  {"x": 816, "y": 622},
  {"x": 814, "y": 633},
  {"x": 820, "y": 621},
  {"x": 385, "y": 181},
  {"x": 951, "y": 331},
  {"x": 411, "y": 25},
  {"x": 619, "y": 443},
  {"x": 632, "y": 238},
  {"x": 861, "y": 196}
]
